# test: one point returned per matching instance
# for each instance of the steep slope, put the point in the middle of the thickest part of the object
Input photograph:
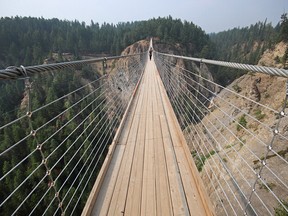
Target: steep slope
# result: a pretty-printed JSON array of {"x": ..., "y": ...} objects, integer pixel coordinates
[
  {"x": 120, "y": 78},
  {"x": 234, "y": 145}
]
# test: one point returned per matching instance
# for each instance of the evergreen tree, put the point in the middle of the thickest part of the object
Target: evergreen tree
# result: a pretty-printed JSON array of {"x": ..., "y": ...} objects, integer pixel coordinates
[{"x": 284, "y": 28}]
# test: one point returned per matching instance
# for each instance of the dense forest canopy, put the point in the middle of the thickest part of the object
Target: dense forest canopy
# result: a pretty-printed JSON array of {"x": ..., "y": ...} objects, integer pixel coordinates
[
  {"x": 28, "y": 41},
  {"x": 246, "y": 45}
]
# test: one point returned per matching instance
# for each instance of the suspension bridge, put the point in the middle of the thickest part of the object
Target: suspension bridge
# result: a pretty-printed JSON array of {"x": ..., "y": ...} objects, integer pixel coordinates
[{"x": 118, "y": 145}]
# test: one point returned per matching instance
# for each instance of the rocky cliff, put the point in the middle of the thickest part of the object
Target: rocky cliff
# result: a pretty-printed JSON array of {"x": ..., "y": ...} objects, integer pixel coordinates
[
  {"x": 228, "y": 146},
  {"x": 123, "y": 74}
]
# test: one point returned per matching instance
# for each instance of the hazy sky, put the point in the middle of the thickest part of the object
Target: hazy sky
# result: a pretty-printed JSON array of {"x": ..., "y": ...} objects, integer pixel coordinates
[{"x": 210, "y": 15}]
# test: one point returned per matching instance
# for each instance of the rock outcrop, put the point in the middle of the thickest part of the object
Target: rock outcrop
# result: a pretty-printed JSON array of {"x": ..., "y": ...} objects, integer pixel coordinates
[
  {"x": 232, "y": 150},
  {"x": 122, "y": 78}
]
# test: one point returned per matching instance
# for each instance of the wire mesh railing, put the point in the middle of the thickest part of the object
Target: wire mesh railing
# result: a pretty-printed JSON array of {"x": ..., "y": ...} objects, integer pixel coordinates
[
  {"x": 238, "y": 140},
  {"x": 53, "y": 144}
]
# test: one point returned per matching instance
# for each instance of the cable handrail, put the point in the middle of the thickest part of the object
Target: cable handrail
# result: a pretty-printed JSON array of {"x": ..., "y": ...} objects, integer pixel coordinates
[
  {"x": 235, "y": 65},
  {"x": 178, "y": 104},
  {"x": 186, "y": 92},
  {"x": 92, "y": 126},
  {"x": 83, "y": 119},
  {"x": 13, "y": 72},
  {"x": 226, "y": 114}
]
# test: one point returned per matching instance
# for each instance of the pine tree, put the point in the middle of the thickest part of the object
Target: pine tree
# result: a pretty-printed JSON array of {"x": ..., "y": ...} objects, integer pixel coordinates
[{"x": 284, "y": 27}]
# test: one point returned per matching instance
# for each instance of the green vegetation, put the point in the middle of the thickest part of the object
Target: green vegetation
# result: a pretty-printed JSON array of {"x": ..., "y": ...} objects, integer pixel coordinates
[
  {"x": 268, "y": 186},
  {"x": 242, "y": 122},
  {"x": 283, "y": 26},
  {"x": 266, "y": 95},
  {"x": 28, "y": 41},
  {"x": 228, "y": 146},
  {"x": 259, "y": 115},
  {"x": 280, "y": 210},
  {"x": 246, "y": 45},
  {"x": 237, "y": 88},
  {"x": 284, "y": 59},
  {"x": 200, "y": 160}
]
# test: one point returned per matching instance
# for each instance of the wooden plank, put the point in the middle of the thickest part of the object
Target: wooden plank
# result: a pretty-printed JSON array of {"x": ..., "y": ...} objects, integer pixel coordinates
[
  {"x": 119, "y": 196},
  {"x": 148, "y": 203},
  {"x": 194, "y": 200},
  {"x": 96, "y": 188},
  {"x": 163, "y": 199},
  {"x": 168, "y": 113},
  {"x": 117, "y": 205},
  {"x": 164, "y": 206},
  {"x": 133, "y": 201},
  {"x": 103, "y": 199},
  {"x": 126, "y": 130},
  {"x": 178, "y": 197},
  {"x": 179, "y": 202},
  {"x": 179, "y": 141}
]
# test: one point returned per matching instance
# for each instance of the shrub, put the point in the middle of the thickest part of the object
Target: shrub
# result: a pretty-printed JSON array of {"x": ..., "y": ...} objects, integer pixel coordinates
[
  {"x": 242, "y": 122},
  {"x": 237, "y": 88},
  {"x": 258, "y": 114},
  {"x": 280, "y": 210}
]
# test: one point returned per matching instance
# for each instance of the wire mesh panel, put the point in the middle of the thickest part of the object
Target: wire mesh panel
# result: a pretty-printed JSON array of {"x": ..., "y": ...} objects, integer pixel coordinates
[
  {"x": 238, "y": 140},
  {"x": 53, "y": 143}
]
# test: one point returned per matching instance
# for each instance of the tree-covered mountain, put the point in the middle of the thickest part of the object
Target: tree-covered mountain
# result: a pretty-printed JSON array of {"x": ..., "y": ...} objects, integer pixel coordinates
[
  {"x": 28, "y": 41},
  {"x": 246, "y": 45}
]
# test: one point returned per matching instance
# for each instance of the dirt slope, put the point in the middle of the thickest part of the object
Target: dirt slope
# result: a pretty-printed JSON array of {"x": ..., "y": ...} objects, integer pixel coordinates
[{"x": 232, "y": 150}]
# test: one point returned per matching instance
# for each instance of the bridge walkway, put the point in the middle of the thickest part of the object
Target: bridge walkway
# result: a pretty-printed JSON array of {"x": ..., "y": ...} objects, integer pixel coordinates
[{"x": 149, "y": 169}]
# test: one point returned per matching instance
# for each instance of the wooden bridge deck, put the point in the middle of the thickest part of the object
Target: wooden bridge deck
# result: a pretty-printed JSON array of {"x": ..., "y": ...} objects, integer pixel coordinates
[{"x": 149, "y": 170}]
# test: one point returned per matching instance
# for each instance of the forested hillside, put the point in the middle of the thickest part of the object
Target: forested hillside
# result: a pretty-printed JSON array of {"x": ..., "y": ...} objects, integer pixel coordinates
[
  {"x": 29, "y": 41},
  {"x": 246, "y": 45}
]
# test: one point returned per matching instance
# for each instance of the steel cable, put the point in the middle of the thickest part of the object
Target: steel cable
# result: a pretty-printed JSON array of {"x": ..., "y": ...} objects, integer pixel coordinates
[
  {"x": 261, "y": 142},
  {"x": 13, "y": 72},
  {"x": 259, "y": 139},
  {"x": 135, "y": 66},
  {"x": 237, "y": 95},
  {"x": 103, "y": 148},
  {"x": 254, "y": 68},
  {"x": 176, "y": 102},
  {"x": 183, "y": 111}
]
